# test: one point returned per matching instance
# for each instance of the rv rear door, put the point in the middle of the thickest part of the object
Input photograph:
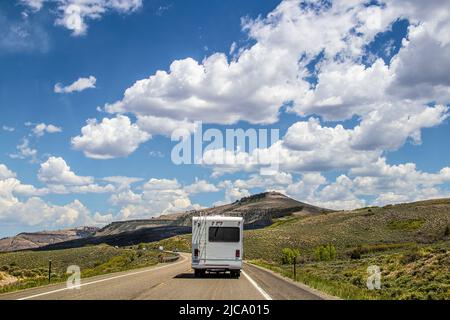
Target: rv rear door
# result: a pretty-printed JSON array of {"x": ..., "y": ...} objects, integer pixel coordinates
[{"x": 224, "y": 242}]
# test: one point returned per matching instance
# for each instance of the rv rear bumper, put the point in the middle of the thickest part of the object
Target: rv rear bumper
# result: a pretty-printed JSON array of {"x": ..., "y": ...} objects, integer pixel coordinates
[{"x": 217, "y": 265}]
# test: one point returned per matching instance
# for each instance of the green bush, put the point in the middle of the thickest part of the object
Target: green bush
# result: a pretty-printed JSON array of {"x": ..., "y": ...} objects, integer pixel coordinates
[
  {"x": 288, "y": 255},
  {"x": 16, "y": 273},
  {"x": 356, "y": 253},
  {"x": 325, "y": 253},
  {"x": 447, "y": 231}
]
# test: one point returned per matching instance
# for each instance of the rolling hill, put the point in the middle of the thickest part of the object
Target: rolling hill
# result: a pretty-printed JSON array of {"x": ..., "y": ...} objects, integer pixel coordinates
[{"x": 423, "y": 222}]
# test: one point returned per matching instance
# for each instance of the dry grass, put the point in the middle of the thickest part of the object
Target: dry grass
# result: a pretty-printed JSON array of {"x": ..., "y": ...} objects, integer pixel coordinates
[{"x": 6, "y": 279}]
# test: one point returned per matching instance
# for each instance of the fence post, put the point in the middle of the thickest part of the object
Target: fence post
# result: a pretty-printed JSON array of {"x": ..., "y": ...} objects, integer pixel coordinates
[
  {"x": 295, "y": 268},
  {"x": 49, "y": 270}
]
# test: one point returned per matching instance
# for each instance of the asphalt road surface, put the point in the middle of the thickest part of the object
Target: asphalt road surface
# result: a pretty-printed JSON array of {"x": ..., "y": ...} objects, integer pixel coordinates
[{"x": 173, "y": 281}]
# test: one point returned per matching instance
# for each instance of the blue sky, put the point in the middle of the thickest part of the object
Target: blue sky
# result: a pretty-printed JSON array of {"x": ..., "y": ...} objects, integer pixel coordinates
[{"x": 362, "y": 111}]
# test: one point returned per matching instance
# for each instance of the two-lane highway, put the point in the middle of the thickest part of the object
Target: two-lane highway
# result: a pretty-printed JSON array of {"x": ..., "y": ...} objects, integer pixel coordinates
[{"x": 173, "y": 281}]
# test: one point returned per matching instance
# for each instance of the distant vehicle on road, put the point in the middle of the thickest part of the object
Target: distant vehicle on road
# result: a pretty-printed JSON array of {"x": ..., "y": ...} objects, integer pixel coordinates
[{"x": 217, "y": 245}]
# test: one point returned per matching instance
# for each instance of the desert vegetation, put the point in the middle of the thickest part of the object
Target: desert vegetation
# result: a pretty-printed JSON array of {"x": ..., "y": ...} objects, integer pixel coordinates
[
  {"x": 409, "y": 242},
  {"x": 419, "y": 274}
]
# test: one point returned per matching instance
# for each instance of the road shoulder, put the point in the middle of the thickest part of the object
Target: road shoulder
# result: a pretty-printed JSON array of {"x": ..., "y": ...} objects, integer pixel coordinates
[{"x": 302, "y": 286}]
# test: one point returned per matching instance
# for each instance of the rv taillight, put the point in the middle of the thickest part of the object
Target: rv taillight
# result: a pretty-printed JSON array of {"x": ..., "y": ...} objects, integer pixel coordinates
[
  {"x": 196, "y": 252},
  {"x": 238, "y": 253}
]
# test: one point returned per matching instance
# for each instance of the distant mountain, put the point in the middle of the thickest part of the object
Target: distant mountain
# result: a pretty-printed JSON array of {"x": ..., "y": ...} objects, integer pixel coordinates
[
  {"x": 119, "y": 227},
  {"x": 34, "y": 240},
  {"x": 257, "y": 210}
]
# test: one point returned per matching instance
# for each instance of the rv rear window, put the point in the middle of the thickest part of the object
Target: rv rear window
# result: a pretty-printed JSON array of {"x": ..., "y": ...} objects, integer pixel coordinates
[{"x": 224, "y": 234}]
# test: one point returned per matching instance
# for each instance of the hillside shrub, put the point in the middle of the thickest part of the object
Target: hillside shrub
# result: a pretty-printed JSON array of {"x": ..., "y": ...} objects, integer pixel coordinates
[
  {"x": 16, "y": 273},
  {"x": 411, "y": 256},
  {"x": 325, "y": 253},
  {"x": 410, "y": 224},
  {"x": 28, "y": 273},
  {"x": 356, "y": 253},
  {"x": 288, "y": 255},
  {"x": 97, "y": 263},
  {"x": 447, "y": 231}
]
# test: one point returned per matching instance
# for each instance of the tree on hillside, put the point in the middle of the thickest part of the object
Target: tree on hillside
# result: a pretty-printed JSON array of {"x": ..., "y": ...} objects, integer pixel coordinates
[
  {"x": 288, "y": 255},
  {"x": 325, "y": 253}
]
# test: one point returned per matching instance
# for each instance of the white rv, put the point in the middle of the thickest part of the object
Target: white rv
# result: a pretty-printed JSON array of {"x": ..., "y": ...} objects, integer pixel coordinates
[{"x": 217, "y": 244}]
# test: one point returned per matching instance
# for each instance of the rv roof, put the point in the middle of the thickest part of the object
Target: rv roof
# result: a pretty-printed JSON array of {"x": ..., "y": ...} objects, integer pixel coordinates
[{"x": 221, "y": 218}]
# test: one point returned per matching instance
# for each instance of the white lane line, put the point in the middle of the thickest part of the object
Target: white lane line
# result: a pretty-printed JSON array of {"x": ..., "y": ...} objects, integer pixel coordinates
[
  {"x": 101, "y": 280},
  {"x": 261, "y": 290}
]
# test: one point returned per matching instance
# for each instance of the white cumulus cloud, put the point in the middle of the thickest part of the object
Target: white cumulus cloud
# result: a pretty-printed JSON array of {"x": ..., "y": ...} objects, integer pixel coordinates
[
  {"x": 122, "y": 182},
  {"x": 5, "y": 173},
  {"x": 79, "y": 85},
  {"x": 42, "y": 128},
  {"x": 56, "y": 171},
  {"x": 111, "y": 138},
  {"x": 34, "y": 211},
  {"x": 200, "y": 186},
  {"x": 24, "y": 151},
  {"x": 259, "y": 79},
  {"x": 158, "y": 196}
]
